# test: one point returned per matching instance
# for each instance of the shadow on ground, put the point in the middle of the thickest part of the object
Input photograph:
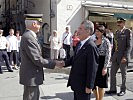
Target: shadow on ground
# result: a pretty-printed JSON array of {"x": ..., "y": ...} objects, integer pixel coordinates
[
  {"x": 62, "y": 96},
  {"x": 65, "y": 96}
]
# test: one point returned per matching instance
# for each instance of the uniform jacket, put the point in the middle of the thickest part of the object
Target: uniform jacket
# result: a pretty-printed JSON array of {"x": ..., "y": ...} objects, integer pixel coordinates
[
  {"x": 84, "y": 67},
  {"x": 122, "y": 45},
  {"x": 32, "y": 63}
]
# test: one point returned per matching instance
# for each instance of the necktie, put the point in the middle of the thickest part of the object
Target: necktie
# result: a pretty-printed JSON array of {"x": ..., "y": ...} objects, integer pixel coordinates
[{"x": 78, "y": 47}]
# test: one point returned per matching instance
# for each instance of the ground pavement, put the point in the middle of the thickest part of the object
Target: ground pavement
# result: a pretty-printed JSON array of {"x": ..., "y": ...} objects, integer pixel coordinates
[{"x": 54, "y": 87}]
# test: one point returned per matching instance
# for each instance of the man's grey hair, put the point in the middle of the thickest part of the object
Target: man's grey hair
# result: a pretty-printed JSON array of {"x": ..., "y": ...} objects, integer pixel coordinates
[
  {"x": 28, "y": 23},
  {"x": 88, "y": 26}
]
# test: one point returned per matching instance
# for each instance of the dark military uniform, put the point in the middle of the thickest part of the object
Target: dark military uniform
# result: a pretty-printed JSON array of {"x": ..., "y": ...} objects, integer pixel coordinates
[{"x": 121, "y": 48}]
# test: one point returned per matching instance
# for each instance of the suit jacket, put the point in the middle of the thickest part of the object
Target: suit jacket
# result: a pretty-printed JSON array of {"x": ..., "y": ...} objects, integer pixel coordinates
[
  {"x": 32, "y": 63},
  {"x": 122, "y": 45},
  {"x": 84, "y": 67}
]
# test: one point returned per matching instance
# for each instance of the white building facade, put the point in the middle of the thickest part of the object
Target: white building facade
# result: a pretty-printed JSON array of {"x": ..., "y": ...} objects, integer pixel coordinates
[
  {"x": 58, "y": 14},
  {"x": 61, "y": 13}
]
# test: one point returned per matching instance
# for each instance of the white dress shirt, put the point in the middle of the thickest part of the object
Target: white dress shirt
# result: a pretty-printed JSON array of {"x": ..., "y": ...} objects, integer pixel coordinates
[
  {"x": 83, "y": 41},
  {"x": 122, "y": 29},
  {"x": 68, "y": 39},
  {"x": 3, "y": 42},
  {"x": 19, "y": 40},
  {"x": 13, "y": 43}
]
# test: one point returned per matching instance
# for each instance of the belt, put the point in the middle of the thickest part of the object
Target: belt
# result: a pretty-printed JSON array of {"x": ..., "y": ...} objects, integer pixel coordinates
[{"x": 2, "y": 49}]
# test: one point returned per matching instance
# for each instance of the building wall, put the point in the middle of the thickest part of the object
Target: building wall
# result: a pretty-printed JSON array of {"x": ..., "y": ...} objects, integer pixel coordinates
[
  {"x": 66, "y": 13},
  {"x": 69, "y": 13},
  {"x": 53, "y": 15},
  {"x": 11, "y": 8},
  {"x": 42, "y": 7},
  {"x": 1, "y": 9}
]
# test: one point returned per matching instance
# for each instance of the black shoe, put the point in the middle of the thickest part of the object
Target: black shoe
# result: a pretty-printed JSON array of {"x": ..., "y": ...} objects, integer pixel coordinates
[
  {"x": 121, "y": 93},
  {"x": 10, "y": 70},
  {"x": 111, "y": 92},
  {"x": 1, "y": 72}
]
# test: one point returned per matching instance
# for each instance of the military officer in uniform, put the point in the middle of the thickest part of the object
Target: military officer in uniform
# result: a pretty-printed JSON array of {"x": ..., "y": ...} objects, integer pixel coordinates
[
  {"x": 121, "y": 50},
  {"x": 32, "y": 62},
  {"x": 3, "y": 52}
]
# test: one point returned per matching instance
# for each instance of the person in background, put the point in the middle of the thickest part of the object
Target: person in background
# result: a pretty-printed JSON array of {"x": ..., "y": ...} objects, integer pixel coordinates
[
  {"x": 19, "y": 40},
  {"x": 110, "y": 36},
  {"x": 104, "y": 50},
  {"x": 67, "y": 40},
  {"x": 13, "y": 48},
  {"x": 3, "y": 52},
  {"x": 131, "y": 50},
  {"x": 75, "y": 40},
  {"x": 93, "y": 37},
  {"x": 54, "y": 44},
  {"x": 18, "y": 35},
  {"x": 121, "y": 50}
]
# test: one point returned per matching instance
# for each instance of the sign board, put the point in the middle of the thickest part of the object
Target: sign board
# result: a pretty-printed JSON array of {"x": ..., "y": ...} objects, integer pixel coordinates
[{"x": 101, "y": 19}]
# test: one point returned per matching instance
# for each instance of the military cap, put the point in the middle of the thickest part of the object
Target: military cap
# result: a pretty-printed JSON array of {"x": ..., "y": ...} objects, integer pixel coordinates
[
  {"x": 37, "y": 17},
  {"x": 120, "y": 19}
]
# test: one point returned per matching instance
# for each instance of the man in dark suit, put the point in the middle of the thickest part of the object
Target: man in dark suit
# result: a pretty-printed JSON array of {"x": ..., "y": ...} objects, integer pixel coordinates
[
  {"x": 32, "y": 62},
  {"x": 84, "y": 63},
  {"x": 121, "y": 51}
]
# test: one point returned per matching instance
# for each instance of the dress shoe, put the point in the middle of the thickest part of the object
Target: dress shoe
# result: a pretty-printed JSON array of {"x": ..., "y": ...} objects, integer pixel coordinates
[
  {"x": 111, "y": 92},
  {"x": 1, "y": 72},
  {"x": 10, "y": 70},
  {"x": 121, "y": 93}
]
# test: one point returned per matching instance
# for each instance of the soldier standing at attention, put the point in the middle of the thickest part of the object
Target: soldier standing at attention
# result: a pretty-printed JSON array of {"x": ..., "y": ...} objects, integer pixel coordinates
[{"x": 121, "y": 50}]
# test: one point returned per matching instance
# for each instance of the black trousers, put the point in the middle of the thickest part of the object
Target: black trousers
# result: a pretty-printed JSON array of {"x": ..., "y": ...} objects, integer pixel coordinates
[
  {"x": 13, "y": 57},
  {"x": 67, "y": 49},
  {"x": 74, "y": 47},
  {"x": 81, "y": 96},
  {"x": 18, "y": 58},
  {"x": 3, "y": 54}
]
